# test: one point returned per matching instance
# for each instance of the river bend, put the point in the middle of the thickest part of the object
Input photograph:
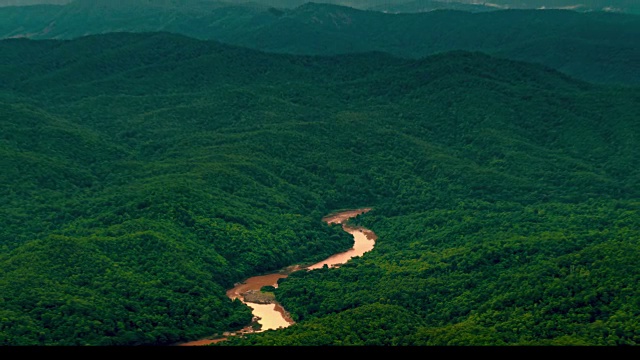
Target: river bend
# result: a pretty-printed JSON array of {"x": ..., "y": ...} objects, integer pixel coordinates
[{"x": 272, "y": 315}]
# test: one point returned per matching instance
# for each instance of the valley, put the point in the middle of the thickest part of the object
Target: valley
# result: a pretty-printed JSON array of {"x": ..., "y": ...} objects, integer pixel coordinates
[{"x": 147, "y": 173}]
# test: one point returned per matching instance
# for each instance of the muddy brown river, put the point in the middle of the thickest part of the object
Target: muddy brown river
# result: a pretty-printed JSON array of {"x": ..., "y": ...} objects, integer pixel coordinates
[{"x": 272, "y": 315}]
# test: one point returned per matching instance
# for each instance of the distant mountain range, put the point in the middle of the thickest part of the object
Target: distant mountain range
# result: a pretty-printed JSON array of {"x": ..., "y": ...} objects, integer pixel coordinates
[
  {"x": 631, "y": 6},
  {"x": 404, "y": 6},
  {"x": 628, "y": 6},
  {"x": 32, "y": 2},
  {"x": 594, "y": 46}
]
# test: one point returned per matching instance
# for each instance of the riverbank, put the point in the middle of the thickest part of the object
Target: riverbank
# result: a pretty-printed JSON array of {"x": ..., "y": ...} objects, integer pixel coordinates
[{"x": 268, "y": 313}]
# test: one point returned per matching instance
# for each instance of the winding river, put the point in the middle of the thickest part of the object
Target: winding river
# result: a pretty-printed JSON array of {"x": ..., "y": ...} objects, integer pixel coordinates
[{"x": 272, "y": 315}]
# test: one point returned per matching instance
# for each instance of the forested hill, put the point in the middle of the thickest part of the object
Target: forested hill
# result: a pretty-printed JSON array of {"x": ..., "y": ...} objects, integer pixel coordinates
[
  {"x": 598, "y": 47},
  {"x": 144, "y": 174},
  {"x": 594, "y": 46}
]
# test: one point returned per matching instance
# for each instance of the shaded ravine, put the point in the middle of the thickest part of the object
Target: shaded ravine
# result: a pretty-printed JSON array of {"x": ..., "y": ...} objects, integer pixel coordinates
[{"x": 268, "y": 313}]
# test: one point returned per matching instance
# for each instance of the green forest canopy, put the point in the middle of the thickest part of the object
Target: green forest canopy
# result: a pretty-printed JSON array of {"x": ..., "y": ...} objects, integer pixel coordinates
[{"x": 144, "y": 174}]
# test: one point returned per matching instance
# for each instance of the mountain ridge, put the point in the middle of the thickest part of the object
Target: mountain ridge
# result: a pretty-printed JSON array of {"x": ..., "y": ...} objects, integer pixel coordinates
[{"x": 596, "y": 47}]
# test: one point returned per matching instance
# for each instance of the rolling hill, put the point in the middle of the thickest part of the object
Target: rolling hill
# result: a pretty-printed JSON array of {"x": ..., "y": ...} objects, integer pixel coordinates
[{"x": 594, "y": 46}]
